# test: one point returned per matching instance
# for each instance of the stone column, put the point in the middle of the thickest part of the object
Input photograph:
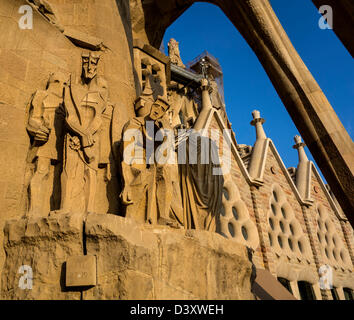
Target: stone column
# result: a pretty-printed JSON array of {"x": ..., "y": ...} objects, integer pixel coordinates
[
  {"x": 295, "y": 289},
  {"x": 303, "y": 171},
  {"x": 340, "y": 293}
]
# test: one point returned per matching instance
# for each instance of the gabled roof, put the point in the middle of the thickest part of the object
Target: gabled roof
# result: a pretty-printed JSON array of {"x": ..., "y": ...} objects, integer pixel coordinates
[
  {"x": 258, "y": 180},
  {"x": 332, "y": 203}
]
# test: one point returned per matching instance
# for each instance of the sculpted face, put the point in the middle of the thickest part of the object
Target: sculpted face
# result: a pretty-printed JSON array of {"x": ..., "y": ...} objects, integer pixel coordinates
[
  {"x": 158, "y": 109},
  {"x": 89, "y": 66},
  {"x": 144, "y": 109},
  {"x": 56, "y": 83}
]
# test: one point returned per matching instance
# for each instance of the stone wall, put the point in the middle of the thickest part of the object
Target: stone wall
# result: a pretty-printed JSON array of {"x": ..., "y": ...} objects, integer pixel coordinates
[
  {"x": 129, "y": 255},
  {"x": 133, "y": 261},
  {"x": 293, "y": 263},
  {"x": 29, "y": 56}
]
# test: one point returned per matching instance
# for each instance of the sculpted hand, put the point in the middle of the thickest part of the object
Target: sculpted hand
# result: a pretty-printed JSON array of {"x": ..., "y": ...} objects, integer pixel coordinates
[
  {"x": 125, "y": 197},
  {"x": 42, "y": 134},
  {"x": 87, "y": 140}
]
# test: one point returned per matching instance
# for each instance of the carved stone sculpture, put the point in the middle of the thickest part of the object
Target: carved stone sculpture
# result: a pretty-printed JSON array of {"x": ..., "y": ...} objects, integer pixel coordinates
[
  {"x": 201, "y": 189},
  {"x": 174, "y": 54},
  {"x": 45, "y": 125},
  {"x": 313, "y": 115},
  {"x": 215, "y": 96},
  {"x": 148, "y": 187},
  {"x": 85, "y": 104},
  {"x": 187, "y": 194}
]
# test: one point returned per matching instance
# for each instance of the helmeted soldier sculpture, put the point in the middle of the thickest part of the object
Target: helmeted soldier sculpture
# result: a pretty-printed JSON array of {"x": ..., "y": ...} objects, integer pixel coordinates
[
  {"x": 151, "y": 187},
  {"x": 148, "y": 187},
  {"x": 45, "y": 126}
]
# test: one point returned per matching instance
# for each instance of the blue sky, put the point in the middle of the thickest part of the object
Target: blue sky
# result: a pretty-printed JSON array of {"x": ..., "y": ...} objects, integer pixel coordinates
[{"x": 246, "y": 85}]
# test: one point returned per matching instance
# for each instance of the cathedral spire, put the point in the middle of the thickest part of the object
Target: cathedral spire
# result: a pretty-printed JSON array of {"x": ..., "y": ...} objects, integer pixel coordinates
[
  {"x": 299, "y": 145},
  {"x": 259, "y": 151},
  {"x": 174, "y": 53},
  {"x": 258, "y": 123},
  {"x": 303, "y": 171}
]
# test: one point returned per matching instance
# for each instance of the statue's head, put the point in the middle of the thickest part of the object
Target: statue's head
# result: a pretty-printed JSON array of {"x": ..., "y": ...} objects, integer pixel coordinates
[
  {"x": 89, "y": 65},
  {"x": 172, "y": 42},
  {"x": 143, "y": 106},
  {"x": 56, "y": 83},
  {"x": 159, "y": 108},
  {"x": 172, "y": 45}
]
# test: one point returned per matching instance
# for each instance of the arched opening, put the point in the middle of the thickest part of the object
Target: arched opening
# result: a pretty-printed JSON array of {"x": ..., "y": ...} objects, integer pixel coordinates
[
  {"x": 306, "y": 290},
  {"x": 285, "y": 283},
  {"x": 204, "y": 26},
  {"x": 348, "y": 294},
  {"x": 307, "y": 105},
  {"x": 334, "y": 293},
  {"x": 246, "y": 85}
]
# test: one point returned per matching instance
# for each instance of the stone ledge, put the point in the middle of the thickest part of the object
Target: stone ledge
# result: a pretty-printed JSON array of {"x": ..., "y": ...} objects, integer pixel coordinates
[
  {"x": 44, "y": 244},
  {"x": 164, "y": 263},
  {"x": 133, "y": 261},
  {"x": 59, "y": 226}
]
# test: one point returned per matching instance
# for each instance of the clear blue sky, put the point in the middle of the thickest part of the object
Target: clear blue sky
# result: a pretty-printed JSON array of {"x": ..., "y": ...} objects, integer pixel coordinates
[{"x": 247, "y": 87}]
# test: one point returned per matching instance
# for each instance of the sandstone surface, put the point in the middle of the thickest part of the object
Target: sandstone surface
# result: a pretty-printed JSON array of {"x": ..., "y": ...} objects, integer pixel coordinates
[{"x": 133, "y": 261}]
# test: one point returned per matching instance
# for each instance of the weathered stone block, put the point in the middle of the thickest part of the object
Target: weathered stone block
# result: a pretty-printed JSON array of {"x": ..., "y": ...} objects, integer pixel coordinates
[
  {"x": 43, "y": 244},
  {"x": 14, "y": 64},
  {"x": 133, "y": 261},
  {"x": 81, "y": 271},
  {"x": 144, "y": 262}
]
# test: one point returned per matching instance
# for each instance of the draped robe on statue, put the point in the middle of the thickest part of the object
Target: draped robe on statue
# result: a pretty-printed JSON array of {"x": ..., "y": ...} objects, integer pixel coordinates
[{"x": 201, "y": 187}]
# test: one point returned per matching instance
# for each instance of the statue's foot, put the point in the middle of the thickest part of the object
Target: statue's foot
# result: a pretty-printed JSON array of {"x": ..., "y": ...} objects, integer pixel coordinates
[
  {"x": 174, "y": 225},
  {"x": 54, "y": 213},
  {"x": 169, "y": 222}
]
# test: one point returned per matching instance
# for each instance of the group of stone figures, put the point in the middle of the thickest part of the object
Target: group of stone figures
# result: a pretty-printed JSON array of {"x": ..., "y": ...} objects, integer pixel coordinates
[{"x": 69, "y": 124}]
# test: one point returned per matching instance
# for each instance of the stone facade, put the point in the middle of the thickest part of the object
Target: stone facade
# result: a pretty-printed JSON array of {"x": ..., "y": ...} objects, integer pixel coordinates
[
  {"x": 144, "y": 225},
  {"x": 289, "y": 227}
]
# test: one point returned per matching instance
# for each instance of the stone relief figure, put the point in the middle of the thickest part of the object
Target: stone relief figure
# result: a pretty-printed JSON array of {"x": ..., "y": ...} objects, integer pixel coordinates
[
  {"x": 148, "y": 186},
  {"x": 201, "y": 189},
  {"x": 187, "y": 194},
  {"x": 45, "y": 125},
  {"x": 184, "y": 108},
  {"x": 143, "y": 103},
  {"x": 174, "y": 54},
  {"x": 87, "y": 110},
  {"x": 215, "y": 96}
]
